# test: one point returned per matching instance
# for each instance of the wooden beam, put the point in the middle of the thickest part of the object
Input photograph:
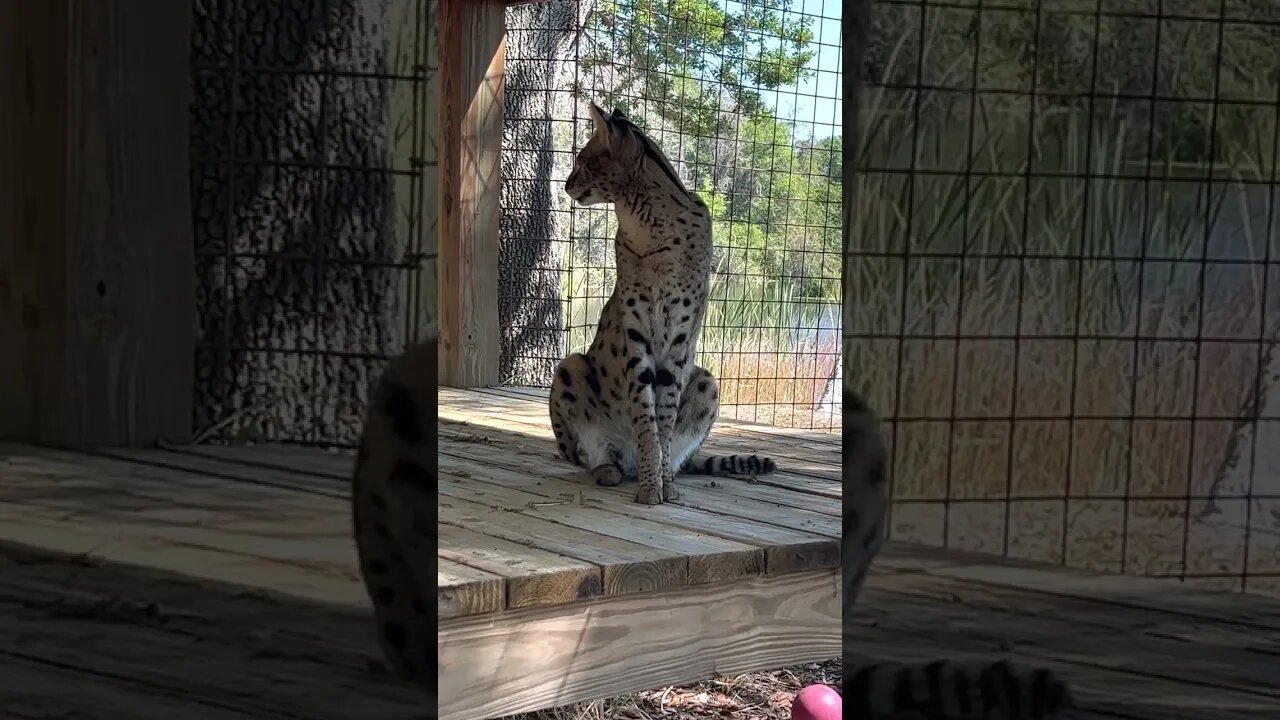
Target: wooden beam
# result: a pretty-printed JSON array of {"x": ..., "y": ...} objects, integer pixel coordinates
[
  {"x": 524, "y": 660},
  {"x": 97, "y": 270},
  {"x": 472, "y": 43}
]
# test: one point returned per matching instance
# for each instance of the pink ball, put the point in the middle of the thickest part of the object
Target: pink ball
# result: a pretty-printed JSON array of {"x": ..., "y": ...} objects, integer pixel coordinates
[{"x": 816, "y": 702}]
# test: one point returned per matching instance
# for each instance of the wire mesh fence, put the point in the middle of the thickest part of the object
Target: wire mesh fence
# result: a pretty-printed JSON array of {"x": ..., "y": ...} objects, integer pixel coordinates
[
  {"x": 313, "y": 159},
  {"x": 1065, "y": 284},
  {"x": 745, "y": 99}
]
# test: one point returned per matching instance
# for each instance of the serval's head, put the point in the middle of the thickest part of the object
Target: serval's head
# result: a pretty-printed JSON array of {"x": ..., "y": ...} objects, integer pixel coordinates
[{"x": 616, "y": 160}]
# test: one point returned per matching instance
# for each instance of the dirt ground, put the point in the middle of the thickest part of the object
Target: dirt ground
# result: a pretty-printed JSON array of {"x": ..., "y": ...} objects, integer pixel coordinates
[{"x": 754, "y": 696}]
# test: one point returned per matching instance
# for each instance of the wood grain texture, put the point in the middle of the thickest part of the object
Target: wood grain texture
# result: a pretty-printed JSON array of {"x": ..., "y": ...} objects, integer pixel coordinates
[
  {"x": 708, "y": 558},
  {"x": 466, "y": 591},
  {"x": 625, "y": 566},
  {"x": 733, "y": 496},
  {"x": 533, "y": 576},
  {"x": 97, "y": 279},
  {"x": 115, "y": 641},
  {"x": 524, "y": 660},
  {"x": 472, "y": 38},
  {"x": 292, "y": 636}
]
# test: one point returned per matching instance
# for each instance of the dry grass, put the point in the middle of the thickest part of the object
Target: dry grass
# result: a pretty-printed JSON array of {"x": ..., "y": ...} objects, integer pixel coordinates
[
  {"x": 759, "y": 383},
  {"x": 753, "y": 696},
  {"x": 1027, "y": 444}
]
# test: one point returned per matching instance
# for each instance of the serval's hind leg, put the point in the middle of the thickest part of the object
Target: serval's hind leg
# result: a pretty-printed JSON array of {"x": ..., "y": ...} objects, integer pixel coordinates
[
  {"x": 699, "y": 407},
  {"x": 577, "y": 418}
]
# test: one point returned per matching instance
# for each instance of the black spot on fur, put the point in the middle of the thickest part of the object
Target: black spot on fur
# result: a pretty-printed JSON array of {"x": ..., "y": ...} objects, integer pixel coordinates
[
  {"x": 934, "y": 676},
  {"x": 411, "y": 473},
  {"x": 664, "y": 378},
  {"x": 395, "y": 635},
  {"x": 960, "y": 684},
  {"x": 631, "y": 302},
  {"x": 635, "y": 336},
  {"x": 679, "y": 340},
  {"x": 401, "y": 409},
  {"x": 633, "y": 362},
  {"x": 685, "y": 301},
  {"x": 903, "y": 697},
  {"x": 702, "y": 386},
  {"x": 424, "y": 527},
  {"x": 645, "y": 377},
  {"x": 569, "y": 397},
  {"x": 565, "y": 377}
]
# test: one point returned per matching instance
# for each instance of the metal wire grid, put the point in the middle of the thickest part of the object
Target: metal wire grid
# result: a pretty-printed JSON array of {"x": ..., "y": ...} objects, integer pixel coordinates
[
  {"x": 312, "y": 157},
  {"x": 1065, "y": 298},
  {"x": 772, "y": 331}
]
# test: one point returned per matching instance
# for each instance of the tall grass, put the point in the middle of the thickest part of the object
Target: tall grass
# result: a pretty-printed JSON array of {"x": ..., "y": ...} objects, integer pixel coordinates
[{"x": 1019, "y": 376}]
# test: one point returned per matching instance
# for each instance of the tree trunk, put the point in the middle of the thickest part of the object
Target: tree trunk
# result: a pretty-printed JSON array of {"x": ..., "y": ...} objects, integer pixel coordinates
[
  {"x": 540, "y": 42},
  {"x": 292, "y": 214}
]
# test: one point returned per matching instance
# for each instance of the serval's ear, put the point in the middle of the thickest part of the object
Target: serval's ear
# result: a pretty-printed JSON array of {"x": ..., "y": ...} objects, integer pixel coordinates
[{"x": 599, "y": 120}]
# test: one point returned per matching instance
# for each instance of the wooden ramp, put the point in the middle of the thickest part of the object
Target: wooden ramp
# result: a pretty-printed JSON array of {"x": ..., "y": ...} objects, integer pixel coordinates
[{"x": 221, "y": 583}]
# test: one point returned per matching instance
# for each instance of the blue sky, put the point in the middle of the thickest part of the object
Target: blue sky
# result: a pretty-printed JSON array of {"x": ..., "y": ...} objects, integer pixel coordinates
[{"x": 815, "y": 104}]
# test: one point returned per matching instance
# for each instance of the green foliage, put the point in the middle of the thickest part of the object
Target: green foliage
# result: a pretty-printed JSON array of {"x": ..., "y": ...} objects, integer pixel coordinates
[
  {"x": 697, "y": 74},
  {"x": 655, "y": 47}
]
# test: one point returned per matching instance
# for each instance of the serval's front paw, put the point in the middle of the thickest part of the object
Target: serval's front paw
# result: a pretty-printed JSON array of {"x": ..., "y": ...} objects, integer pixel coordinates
[
  {"x": 650, "y": 495},
  {"x": 607, "y": 475},
  {"x": 670, "y": 491}
]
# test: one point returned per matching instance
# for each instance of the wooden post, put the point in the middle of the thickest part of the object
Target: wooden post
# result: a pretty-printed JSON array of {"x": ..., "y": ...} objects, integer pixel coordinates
[
  {"x": 97, "y": 276},
  {"x": 472, "y": 40}
]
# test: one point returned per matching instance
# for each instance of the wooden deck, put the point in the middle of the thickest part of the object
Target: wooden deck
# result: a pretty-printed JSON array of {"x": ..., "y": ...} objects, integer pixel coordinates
[
  {"x": 221, "y": 583},
  {"x": 735, "y": 576}
]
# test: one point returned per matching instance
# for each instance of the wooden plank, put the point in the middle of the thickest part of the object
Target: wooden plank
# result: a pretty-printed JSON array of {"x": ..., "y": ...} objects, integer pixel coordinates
[
  {"x": 209, "y": 645},
  {"x": 533, "y": 576},
  {"x": 515, "y": 661},
  {"x": 744, "y": 501},
  {"x": 308, "y": 463},
  {"x": 710, "y": 558},
  {"x": 97, "y": 293},
  {"x": 1124, "y": 641},
  {"x": 472, "y": 55},
  {"x": 625, "y": 566},
  {"x": 785, "y": 549},
  {"x": 183, "y": 522},
  {"x": 228, "y": 464},
  {"x": 35, "y": 689},
  {"x": 1104, "y": 693},
  {"x": 465, "y": 590},
  {"x": 1150, "y": 594}
]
